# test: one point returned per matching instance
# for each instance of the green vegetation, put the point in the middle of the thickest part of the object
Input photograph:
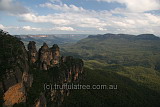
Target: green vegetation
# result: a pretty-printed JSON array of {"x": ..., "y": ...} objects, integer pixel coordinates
[
  {"x": 11, "y": 51},
  {"x": 133, "y": 64},
  {"x": 55, "y": 75},
  {"x": 137, "y": 86},
  {"x": 40, "y": 78},
  {"x": 127, "y": 52},
  {"x": 130, "y": 62},
  {"x": 144, "y": 76}
]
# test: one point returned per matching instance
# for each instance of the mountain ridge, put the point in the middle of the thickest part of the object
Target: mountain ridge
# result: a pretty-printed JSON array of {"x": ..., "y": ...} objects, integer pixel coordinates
[
  {"x": 126, "y": 36},
  {"x": 119, "y": 49}
]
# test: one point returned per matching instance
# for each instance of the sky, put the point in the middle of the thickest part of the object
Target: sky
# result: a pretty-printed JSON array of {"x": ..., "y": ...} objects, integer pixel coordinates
[{"x": 80, "y": 16}]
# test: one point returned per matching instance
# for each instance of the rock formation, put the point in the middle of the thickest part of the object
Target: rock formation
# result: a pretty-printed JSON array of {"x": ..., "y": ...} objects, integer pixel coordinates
[
  {"x": 68, "y": 70},
  {"x": 14, "y": 63},
  {"x": 75, "y": 67},
  {"x": 32, "y": 52},
  {"x": 41, "y": 102},
  {"x": 17, "y": 76},
  {"x": 11, "y": 77},
  {"x": 46, "y": 57},
  {"x": 27, "y": 80},
  {"x": 14, "y": 95},
  {"x": 55, "y": 53}
]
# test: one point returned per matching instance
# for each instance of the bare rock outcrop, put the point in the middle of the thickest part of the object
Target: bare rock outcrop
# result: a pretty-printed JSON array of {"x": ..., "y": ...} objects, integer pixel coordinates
[
  {"x": 16, "y": 65},
  {"x": 13, "y": 62},
  {"x": 55, "y": 53},
  {"x": 27, "y": 80},
  {"x": 74, "y": 67},
  {"x": 70, "y": 71},
  {"x": 32, "y": 52},
  {"x": 13, "y": 66},
  {"x": 48, "y": 57},
  {"x": 14, "y": 95},
  {"x": 11, "y": 77},
  {"x": 41, "y": 102},
  {"x": 45, "y": 57}
]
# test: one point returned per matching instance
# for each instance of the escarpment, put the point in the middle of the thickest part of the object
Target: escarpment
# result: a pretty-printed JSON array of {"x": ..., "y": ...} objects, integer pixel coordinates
[
  {"x": 13, "y": 65},
  {"x": 24, "y": 73},
  {"x": 60, "y": 70}
]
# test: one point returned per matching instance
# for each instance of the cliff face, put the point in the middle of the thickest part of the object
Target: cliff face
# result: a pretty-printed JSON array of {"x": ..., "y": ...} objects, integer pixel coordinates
[
  {"x": 15, "y": 94},
  {"x": 71, "y": 71},
  {"x": 61, "y": 70},
  {"x": 13, "y": 65},
  {"x": 56, "y": 54},
  {"x": 45, "y": 56},
  {"x": 13, "y": 60},
  {"x": 48, "y": 57},
  {"x": 74, "y": 68},
  {"x": 32, "y": 52},
  {"x": 17, "y": 77}
]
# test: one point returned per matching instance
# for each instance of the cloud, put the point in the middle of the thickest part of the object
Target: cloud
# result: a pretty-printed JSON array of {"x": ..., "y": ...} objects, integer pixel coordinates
[
  {"x": 57, "y": 19},
  {"x": 2, "y": 27},
  {"x": 102, "y": 29},
  {"x": 63, "y": 28},
  {"x": 90, "y": 20},
  {"x": 138, "y": 5},
  {"x": 32, "y": 29},
  {"x": 69, "y": 15},
  {"x": 76, "y": 19},
  {"x": 80, "y": 20},
  {"x": 8, "y": 27},
  {"x": 12, "y": 7},
  {"x": 29, "y": 28},
  {"x": 53, "y": 1},
  {"x": 63, "y": 7}
]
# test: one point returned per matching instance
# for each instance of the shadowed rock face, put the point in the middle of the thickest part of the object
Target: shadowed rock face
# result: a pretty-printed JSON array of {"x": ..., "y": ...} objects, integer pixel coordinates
[
  {"x": 41, "y": 102},
  {"x": 13, "y": 64},
  {"x": 16, "y": 63},
  {"x": 74, "y": 67},
  {"x": 68, "y": 70},
  {"x": 32, "y": 52},
  {"x": 11, "y": 78},
  {"x": 55, "y": 53},
  {"x": 27, "y": 80},
  {"x": 47, "y": 57},
  {"x": 15, "y": 94}
]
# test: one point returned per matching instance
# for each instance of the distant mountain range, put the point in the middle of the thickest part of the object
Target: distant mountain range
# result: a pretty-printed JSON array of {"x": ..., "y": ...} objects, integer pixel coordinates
[
  {"x": 50, "y": 39},
  {"x": 72, "y": 38},
  {"x": 130, "y": 50},
  {"x": 130, "y": 61},
  {"x": 126, "y": 36}
]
